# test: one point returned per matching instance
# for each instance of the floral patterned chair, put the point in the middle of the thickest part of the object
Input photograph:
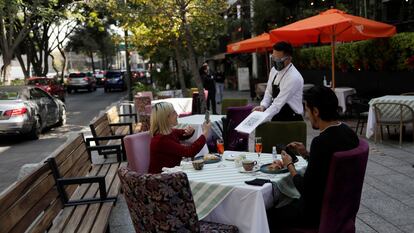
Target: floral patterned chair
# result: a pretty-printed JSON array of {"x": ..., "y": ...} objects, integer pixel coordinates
[
  {"x": 143, "y": 107},
  {"x": 163, "y": 203}
]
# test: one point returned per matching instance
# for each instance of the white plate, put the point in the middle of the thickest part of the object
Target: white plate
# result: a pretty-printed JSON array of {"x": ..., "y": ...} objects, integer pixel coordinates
[
  {"x": 255, "y": 169},
  {"x": 230, "y": 157}
]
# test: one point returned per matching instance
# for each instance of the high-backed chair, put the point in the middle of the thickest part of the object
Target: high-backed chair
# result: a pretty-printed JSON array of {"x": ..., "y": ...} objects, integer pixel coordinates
[
  {"x": 143, "y": 108},
  {"x": 232, "y": 103},
  {"x": 163, "y": 203},
  {"x": 281, "y": 132},
  {"x": 342, "y": 195},
  {"x": 392, "y": 114},
  {"x": 137, "y": 147},
  {"x": 234, "y": 140},
  {"x": 196, "y": 102}
]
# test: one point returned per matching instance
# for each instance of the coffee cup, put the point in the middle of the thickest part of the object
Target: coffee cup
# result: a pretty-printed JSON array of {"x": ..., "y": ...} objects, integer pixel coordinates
[
  {"x": 248, "y": 165},
  {"x": 198, "y": 164}
]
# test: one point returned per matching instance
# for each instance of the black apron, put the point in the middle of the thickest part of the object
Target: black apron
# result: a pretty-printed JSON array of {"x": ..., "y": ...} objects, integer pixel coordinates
[{"x": 286, "y": 113}]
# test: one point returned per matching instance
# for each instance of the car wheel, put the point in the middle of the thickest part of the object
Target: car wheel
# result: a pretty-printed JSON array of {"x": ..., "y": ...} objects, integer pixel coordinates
[
  {"x": 36, "y": 129},
  {"x": 62, "y": 118}
]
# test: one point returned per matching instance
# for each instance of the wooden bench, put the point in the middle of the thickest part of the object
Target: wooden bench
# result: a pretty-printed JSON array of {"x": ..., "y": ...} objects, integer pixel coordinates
[
  {"x": 115, "y": 117},
  {"x": 106, "y": 133},
  {"x": 66, "y": 194}
]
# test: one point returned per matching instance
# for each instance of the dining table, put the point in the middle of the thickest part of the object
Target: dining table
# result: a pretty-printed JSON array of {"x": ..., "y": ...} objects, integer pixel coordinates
[
  {"x": 221, "y": 194},
  {"x": 342, "y": 93},
  {"x": 401, "y": 99},
  {"x": 181, "y": 105}
]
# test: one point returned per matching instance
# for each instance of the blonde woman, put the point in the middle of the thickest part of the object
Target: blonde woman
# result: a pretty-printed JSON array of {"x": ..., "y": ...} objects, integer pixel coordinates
[{"x": 166, "y": 149}]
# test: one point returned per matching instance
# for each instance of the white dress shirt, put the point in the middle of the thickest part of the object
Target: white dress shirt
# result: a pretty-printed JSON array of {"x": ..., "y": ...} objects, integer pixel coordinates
[{"x": 291, "y": 91}]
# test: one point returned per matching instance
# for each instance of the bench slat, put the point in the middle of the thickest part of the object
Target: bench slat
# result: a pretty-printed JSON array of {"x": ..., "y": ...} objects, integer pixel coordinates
[
  {"x": 79, "y": 213},
  {"x": 14, "y": 193},
  {"x": 46, "y": 220},
  {"x": 42, "y": 192},
  {"x": 75, "y": 161},
  {"x": 105, "y": 212},
  {"x": 64, "y": 216},
  {"x": 68, "y": 149}
]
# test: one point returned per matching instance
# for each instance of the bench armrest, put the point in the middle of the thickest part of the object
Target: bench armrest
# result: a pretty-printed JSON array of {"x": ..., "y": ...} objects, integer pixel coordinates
[
  {"x": 61, "y": 182},
  {"x": 129, "y": 124},
  {"x": 106, "y": 150},
  {"x": 130, "y": 114}
]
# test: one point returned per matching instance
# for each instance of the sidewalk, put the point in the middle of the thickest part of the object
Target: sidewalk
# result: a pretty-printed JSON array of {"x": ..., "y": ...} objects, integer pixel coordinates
[{"x": 387, "y": 202}]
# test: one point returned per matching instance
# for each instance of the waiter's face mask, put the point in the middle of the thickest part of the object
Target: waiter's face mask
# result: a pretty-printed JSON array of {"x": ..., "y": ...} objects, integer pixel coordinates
[{"x": 279, "y": 63}]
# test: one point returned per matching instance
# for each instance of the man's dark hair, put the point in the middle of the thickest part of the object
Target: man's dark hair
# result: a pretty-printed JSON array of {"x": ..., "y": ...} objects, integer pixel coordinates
[
  {"x": 284, "y": 47},
  {"x": 325, "y": 100}
]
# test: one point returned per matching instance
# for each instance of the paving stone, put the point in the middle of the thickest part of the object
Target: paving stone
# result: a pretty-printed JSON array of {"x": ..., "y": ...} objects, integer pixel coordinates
[
  {"x": 387, "y": 189},
  {"x": 378, "y": 224},
  {"x": 408, "y": 228},
  {"x": 120, "y": 214},
  {"x": 387, "y": 161},
  {"x": 399, "y": 181},
  {"x": 374, "y": 168},
  {"x": 123, "y": 229},
  {"x": 363, "y": 209},
  {"x": 362, "y": 227},
  {"x": 392, "y": 210},
  {"x": 370, "y": 192}
]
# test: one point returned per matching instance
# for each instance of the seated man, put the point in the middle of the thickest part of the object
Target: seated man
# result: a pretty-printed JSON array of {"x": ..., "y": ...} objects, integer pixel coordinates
[{"x": 321, "y": 108}]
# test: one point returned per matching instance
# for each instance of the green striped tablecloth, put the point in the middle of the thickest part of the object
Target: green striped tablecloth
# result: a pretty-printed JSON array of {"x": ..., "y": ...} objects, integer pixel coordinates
[
  {"x": 391, "y": 111},
  {"x": 208, "y": 196}
]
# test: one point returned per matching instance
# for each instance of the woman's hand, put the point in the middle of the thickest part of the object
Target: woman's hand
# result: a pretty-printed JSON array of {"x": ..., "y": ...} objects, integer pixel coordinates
[
  {"x": 300, "y": 148},
  {"x": 258, "y": 108},
  {"x": 206, "y": 128},
  {"x": 285, "y": 158},
  {"x": 188, "y": 130}
]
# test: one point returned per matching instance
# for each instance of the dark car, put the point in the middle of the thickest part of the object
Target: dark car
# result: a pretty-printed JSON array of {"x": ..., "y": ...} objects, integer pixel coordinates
[
  {"x": 29, "y": 110},
  {"x": 114, "y": 80},
  {"x": 50, "y": 85},
  {"x": 100, "y": 77},
  {"x": 78, "y": 81}
]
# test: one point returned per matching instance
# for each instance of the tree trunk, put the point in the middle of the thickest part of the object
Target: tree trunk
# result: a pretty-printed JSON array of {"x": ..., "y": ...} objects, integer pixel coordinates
[
  {"x": 22, "y": 65},
  {"x": 193, "y": 61},
  {"x": 62, "y": 73},
  {"x": 93, "y": 63},
  {"x": 6, "y": 72},
  {"x": 179, "y": 59}
]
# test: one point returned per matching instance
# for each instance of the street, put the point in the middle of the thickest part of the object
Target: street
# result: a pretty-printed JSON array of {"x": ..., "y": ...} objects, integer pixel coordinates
[{"x": 81, "y": 108}]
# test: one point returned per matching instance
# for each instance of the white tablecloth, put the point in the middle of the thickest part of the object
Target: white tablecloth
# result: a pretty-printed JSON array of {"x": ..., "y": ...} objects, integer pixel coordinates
[
  {"x": 196, "y": 121},
  {"x": 403, "y": 99},
  {"x": 181, "y": 105},
  {"x": 342, "y": 93},
  {"x": 245, "y": 206},
  {"x": 172, "y": 93}
]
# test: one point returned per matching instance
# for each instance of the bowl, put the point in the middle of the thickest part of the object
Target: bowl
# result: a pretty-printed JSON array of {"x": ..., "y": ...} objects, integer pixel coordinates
[{"x": 198, "y": 164}]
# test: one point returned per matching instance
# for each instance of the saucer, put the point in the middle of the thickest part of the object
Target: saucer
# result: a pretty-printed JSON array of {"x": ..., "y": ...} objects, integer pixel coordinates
[
  {"x": 255, "y": 169},
  {"x": 230, "y": 157}
]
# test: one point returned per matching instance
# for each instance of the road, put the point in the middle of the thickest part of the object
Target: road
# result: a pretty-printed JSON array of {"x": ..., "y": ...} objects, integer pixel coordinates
[{"x": 81, "y": 108}]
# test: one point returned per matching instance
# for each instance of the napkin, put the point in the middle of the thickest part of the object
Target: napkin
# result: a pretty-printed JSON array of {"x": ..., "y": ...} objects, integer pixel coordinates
[{"x": 171, "y": 169}]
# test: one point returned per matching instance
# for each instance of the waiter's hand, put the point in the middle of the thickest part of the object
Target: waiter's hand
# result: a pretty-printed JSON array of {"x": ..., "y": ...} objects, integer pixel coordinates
[{"x": 258, "y": 108}]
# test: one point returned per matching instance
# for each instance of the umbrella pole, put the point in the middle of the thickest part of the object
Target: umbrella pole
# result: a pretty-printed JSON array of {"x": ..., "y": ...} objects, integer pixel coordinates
[{"x": 333, "y": 39}]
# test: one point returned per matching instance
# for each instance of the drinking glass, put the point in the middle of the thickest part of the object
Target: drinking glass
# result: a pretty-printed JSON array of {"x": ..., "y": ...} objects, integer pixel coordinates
[
  {"x": 258, "y": 147},
  {"x": 220, "y": 146}
]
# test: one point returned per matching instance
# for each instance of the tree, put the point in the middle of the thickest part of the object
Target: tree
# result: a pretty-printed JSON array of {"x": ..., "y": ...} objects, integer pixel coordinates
[
  {"x": 12, "y": 13},
  {"x": 191, "y": 24}
]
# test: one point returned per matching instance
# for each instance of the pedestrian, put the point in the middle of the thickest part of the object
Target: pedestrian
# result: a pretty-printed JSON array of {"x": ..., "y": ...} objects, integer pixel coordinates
[
  {"x": 219, "y": 78},
  {"x": 284, "y": 90},
  {"x": 321, "y": 106},
  {"x": 210, "y": 85}
]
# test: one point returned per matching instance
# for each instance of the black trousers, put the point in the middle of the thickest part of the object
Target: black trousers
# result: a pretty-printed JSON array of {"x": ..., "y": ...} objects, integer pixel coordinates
[
  {"x": 289, "y": 216},
  {"x": 287, "y": 114},
  {"x": 211, "y": 100}
]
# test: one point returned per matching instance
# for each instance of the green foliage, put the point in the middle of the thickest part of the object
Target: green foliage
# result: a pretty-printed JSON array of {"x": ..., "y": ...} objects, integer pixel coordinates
[
  {"x": 375, "y": 55},
  {"x": 163, "y": 78},
  {"x": 139, "y": 87}
]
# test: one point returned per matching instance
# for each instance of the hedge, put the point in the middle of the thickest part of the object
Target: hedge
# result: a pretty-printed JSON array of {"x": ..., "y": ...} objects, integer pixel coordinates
[{"x": 395, "y": 53}]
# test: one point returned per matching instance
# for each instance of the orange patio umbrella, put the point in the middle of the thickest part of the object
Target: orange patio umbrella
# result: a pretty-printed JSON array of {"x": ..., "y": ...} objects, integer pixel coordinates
[
  {"x": 331, "y": 26},
  {"x": 261, "y": 43}
]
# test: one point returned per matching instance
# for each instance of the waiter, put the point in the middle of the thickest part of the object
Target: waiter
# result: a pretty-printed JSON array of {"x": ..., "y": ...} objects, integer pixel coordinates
[{"x": 284, "y": 90}]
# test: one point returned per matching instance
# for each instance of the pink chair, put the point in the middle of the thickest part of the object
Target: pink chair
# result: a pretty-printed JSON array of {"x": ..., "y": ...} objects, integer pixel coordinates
[
  {"x": 137, "y": 147},
  {"x": 343, "y": 192}
]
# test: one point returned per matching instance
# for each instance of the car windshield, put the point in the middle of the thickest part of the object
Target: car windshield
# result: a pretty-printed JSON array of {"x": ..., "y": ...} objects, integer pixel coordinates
[
  {"x": 38, "y": 82},
  {"x": 9, "y": 95},
  {"x": 77, "y": 75},
  {"x": 113, "y": 74}
]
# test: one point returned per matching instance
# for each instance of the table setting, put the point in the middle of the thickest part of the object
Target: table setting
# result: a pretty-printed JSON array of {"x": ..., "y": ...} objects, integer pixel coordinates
[{"x": 222, "y": 192}]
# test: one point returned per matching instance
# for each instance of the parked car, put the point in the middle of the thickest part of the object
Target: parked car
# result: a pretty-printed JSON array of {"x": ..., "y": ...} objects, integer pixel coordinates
[
  {"x": 114, "y": 80},
  {"x": 29, "y": 110},
  {"x": 50, "y": 85},
  {"x": 100, "y": 77},
  {"x": 78, "y": 81}
]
